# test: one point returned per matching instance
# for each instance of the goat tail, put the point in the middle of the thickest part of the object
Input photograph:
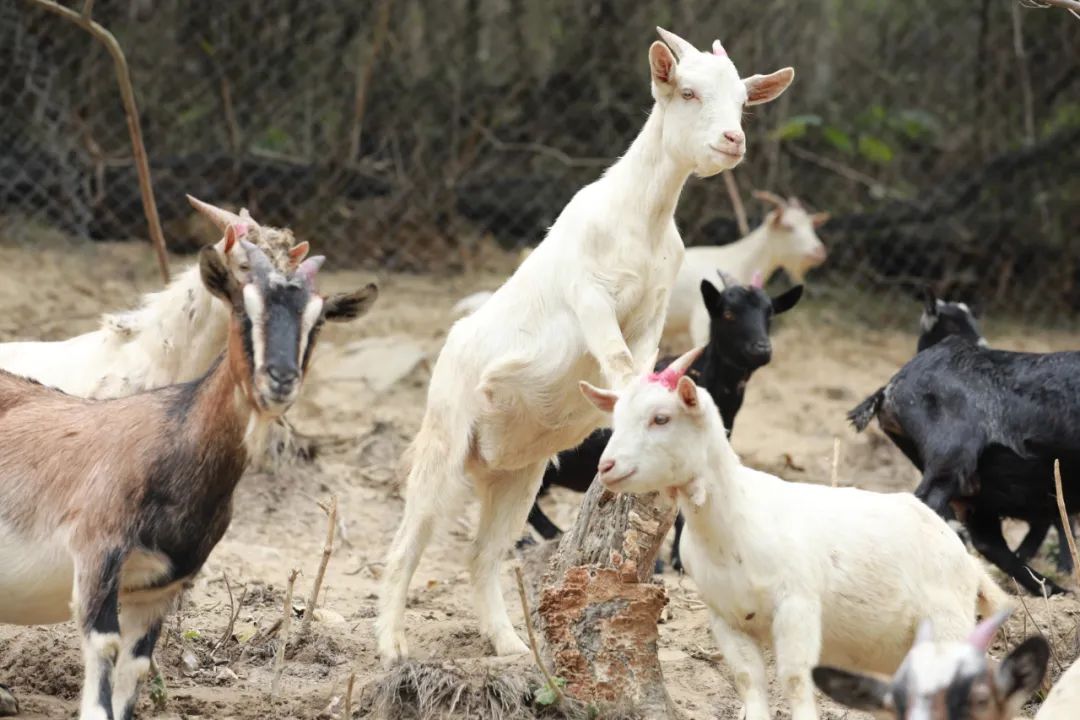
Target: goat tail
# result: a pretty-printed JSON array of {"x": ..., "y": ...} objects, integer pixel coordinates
[
  {"x": 865, "y": 411},
  {"x": 991, "y": 599}
]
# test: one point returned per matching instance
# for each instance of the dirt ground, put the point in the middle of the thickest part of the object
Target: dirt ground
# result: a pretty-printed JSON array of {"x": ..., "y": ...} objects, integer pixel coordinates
[{"x": 364, "y": 401}]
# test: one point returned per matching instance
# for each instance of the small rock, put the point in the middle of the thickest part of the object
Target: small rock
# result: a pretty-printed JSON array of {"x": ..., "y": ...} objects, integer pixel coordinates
[
  {"x": 226, "y": 675},
  {"x": 189, "y": 661},
  {"x": 325, "y": 615}
]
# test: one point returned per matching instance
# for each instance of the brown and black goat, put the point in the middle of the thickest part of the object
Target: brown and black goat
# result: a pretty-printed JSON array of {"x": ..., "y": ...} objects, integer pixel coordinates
[{"x": 112, "y": 505}]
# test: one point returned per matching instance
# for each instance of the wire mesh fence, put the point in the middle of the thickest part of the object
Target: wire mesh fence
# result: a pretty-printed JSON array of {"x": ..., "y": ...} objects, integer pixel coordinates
[{"x": 942, "y": 135}]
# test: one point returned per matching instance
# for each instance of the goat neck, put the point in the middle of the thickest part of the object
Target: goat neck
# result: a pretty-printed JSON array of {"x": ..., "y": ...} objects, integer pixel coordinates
[{"x": 647, "y": 180}]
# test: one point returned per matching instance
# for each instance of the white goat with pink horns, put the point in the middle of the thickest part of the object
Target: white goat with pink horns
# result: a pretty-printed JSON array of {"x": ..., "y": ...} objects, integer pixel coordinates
[{"x": 588, "y": 303}]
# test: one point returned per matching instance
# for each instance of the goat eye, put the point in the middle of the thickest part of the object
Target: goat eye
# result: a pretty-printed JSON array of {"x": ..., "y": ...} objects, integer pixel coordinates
[
  {"x": 660, "y": 420},
  {"x": 688, "y": 94}
]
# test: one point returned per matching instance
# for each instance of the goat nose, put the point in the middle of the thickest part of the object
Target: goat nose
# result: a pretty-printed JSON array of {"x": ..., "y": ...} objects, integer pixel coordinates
[
  {"x": 606, "y": 466},
  {"x": 281, "y": 374},
  {"x": 734, "y": 136}
]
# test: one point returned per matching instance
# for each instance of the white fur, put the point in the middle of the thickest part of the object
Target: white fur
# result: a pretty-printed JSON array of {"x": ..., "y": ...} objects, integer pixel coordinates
[
  {"x": 589, "y": 302},
  {"x": 837, "y": 576},
  {"x": 174, "y": 337},
  {"x": 37, "y": 576},
  {"x": 785, "y": 239},
  {"x": 1063, "y": 702}
]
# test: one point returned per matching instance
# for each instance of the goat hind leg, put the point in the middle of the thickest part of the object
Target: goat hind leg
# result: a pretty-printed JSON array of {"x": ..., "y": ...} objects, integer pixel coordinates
[
  {"x": 505, "y": 497},
  {"x": 428, "y": 497}
]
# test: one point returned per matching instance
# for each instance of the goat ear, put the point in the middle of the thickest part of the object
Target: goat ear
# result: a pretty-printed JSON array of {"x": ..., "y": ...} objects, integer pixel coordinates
[
  {"x": 787, "y": 300},
  {"x": 853, "y": 690},
  {"x": 1022, "y": 671},
  {"x": 714, "y": 299},
  {"x": 216, "y": 276},
  {"x": 297, "y": 253},
  {"x": 604, "y": 400},
  {"x": 662, "y": 63},
  {"x": 349, "y": 306},
  {"x": 819, "y": 219},
  {"x": 766, "y": 88},
  {"x": 688, "y": 392}
]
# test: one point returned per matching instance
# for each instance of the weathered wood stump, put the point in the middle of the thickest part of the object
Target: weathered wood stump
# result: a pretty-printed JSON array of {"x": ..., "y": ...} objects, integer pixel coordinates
[{"x": 599, "y": 606}]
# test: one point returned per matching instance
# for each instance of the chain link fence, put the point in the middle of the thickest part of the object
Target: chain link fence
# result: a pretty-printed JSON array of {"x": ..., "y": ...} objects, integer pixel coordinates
[{"x": 942, "y": 135}]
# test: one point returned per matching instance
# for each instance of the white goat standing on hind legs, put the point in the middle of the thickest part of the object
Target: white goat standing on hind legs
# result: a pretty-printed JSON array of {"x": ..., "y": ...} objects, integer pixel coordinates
[
  {"x": 819, "y": 574},
  {"x": 588, "y": 303}
]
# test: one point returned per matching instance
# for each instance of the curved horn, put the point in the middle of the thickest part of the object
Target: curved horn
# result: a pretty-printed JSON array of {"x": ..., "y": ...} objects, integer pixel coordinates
[
  {"x": 221, "y": 218},
  {"x": 769, "y": 197},
  {"x": 718, "y": 49},
  {"x": 309, "y": 268},
  {"x": 984, "y": 632},
  {"x": 682, "y": 363},
  {"x": 726, "y": 279},
  {"x": 680, "y": 47}
]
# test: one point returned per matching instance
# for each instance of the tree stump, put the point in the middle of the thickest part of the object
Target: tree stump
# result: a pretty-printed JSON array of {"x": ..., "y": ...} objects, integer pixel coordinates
[{"x": 599, "y": 606}]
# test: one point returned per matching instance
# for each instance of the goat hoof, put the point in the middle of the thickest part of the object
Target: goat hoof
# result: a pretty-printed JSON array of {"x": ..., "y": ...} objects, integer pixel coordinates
[
  {"x": 676, "y": 565},
  {"x": 393, "y": 648},
  {"x": 658, "y": 567},
  {"x": 508, "y": 643},
  {"x": 9, "y": 706}
]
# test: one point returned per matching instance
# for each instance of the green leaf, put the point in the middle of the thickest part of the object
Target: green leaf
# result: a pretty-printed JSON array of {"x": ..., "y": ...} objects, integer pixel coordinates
[
  {"x": 159, "y": 695},
  {"x": 795, "y": 127},
  {"x": 546, "y": 695},
  {"x": 916, "y": 124},
  {"x": 875, "y": 149},
  {"x": 838, "y": 139},
  {"x": 192, "y": 634}
]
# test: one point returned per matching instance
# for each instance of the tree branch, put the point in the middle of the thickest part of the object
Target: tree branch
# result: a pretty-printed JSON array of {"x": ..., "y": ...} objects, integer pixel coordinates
[
  {"x": 127, "y": 95},
  {"x": 1072, "y": 6}
]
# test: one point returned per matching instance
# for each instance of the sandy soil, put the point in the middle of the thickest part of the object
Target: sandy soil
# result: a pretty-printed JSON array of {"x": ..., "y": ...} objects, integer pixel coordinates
[{"x": 364, "y": 413}]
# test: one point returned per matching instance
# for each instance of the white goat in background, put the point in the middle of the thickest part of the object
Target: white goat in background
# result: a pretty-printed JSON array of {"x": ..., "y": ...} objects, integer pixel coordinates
[
  {"x": 588, "y": 303},
  {"x": 820, "y": 574},
  {"x": 785, "y": 239},
  {"x": 173, "y": 337}
]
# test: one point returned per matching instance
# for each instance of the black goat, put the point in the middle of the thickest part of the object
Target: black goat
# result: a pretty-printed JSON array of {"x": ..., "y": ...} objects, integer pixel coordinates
[
  {"x": 984, "y": 427},
  {"x": 738, "y": 345}
]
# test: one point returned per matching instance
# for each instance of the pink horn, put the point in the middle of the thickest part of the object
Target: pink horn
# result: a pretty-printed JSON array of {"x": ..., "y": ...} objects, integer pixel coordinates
[
  {"x": 718, "y": 49},
  {"x": 221, "y": 218},
  {"x": 757, "y": 280},
  {"x": 984, "y": 632},
  {"x": 669, "y": 376}
]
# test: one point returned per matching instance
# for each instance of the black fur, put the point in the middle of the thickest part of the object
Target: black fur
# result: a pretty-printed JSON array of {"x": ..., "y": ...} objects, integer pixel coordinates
[
  {"x": 740, "y": 319},
  {"x": 984, "y": 426}
]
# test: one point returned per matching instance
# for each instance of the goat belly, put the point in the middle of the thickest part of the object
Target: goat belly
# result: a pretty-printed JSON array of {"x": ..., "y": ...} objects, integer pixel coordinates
[{"x": 36, "y": 578}]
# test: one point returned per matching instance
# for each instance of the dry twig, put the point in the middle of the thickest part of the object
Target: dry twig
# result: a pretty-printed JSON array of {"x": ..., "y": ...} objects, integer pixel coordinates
[
  {"x": 234, "y": 613},
  {"x": 1027, "y": 612},
  {"x": 736, "y": 202},
  {"x": 1066, "y": 526},
  {"x": 1073, "y": 6},
  {"x": 348, "y": 696},
  {"x": 127, "y": 96},
  {"x": 328, "y": 550},
  {"x": 532, "y": 637},
  {"x": 286, "y": 621}
]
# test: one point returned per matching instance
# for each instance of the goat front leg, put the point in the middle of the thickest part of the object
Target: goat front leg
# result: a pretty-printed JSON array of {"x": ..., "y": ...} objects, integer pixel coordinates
[
  {"x": 140, "y": 626},
  {"x": 747, "y": 665},
  {"x": 987, "y": 538},
  {"x": 797, "y": 643},
  {"x": 595, "y": 312},
  {"x": 97, "y": 589}
]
